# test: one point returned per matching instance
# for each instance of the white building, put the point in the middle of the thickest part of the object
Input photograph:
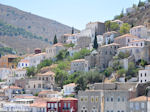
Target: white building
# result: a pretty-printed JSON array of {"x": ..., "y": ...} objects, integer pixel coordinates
[
  {"x": 130, "y": 10},
  {"x": 54, "y": 50},
  {"x": 69, "y": 89},
  {"x": 139, "y": 31},
  {"x": 50, "y": 94},
  {"x": 73, "y": 50},
  {"x": 109, "y": 37},
  {"x": 23, "y": 64},
  {"x": 140, "y": 43},
  {"x": 144, "y": 75},
  {"x": 16, "y": 75},
  {"x": 32, "y": 60},
  {"x": 4, "y": 73},
  {"x": 72, "y": 39},
  {"x": 100, "y": 40},
  {"x": 139, "y": 104},
  {"x": 79, "y": 65}
]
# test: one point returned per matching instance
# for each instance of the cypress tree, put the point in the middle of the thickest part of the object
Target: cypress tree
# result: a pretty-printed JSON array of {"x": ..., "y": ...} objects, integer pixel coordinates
[
  {"x": 72, "y": 30},
  {"x": 55, "y": 40},
  {"x": 95, "y": 46}
]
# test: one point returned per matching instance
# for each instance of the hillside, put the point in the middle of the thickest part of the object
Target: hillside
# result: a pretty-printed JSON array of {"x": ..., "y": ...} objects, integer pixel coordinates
[
  {"x": 24, "y": 31},
  {"x": 40, "y": 26},
  {"x": 140, "y": 17}
]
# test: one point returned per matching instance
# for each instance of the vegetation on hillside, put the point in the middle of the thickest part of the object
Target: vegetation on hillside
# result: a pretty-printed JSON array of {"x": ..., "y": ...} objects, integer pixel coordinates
[
  {"x": 6, "y": 50},
  {"x": 10, "y": 30}
]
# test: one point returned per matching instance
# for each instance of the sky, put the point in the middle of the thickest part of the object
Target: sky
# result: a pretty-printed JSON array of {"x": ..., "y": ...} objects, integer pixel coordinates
[{"x": 74, "y": 13}]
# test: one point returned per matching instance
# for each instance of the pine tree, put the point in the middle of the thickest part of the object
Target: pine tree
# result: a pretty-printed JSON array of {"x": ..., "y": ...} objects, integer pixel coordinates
[
  {"x": 72, "y": 30},
  {"x": 95, "y": 46},
  {"x": 55, "y": 40}
]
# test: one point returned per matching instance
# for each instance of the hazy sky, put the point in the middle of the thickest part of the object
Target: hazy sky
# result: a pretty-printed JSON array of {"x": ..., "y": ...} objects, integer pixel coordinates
[{"x": 74, "y": 13}]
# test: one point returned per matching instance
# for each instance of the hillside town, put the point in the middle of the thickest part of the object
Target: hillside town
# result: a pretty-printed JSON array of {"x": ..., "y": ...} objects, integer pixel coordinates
[{"x": 103, "y": 68}]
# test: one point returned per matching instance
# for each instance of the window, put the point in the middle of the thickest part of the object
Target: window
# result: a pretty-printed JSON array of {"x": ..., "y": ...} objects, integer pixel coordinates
[
  {"x": 107, "y": 99},
  {"x": 65, "y": 105},
  {"x": 145, "y": 74},
  {"x": 123, "y": 99},
  {"x": 137, "y": 106},
  {"x": 118, "y": 99},
  {"x": 68, "y": 105},
  {"x": 142, "y": 105},
  {"x": 92, "y": 99},
  {"x": 111, "y": 99},
  {"x": 81, "y": 99},
  {"x": 141, "y": 74},
  {"x": 96, "y": 99},
  {"x": 39, "y": 85},
  {"x": 86, "y": 99}
]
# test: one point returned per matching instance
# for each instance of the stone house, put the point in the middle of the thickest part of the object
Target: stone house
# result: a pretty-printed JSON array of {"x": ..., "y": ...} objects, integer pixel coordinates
[
  {"x": 136, "y": 51},
  {"x": 109, "y": 37},
  {"x": 140, "y": 43},
  {"x": 105, "y": 98},
  {"x": 12, "y": 91},
  {"x": 23, "y": 64},
  {"x": 49, "y": 94},
  {"x": 124, "y": 40},
  {"x": 83, "y": 42},
  {"x": 98, "y": 27},
  {"x": 7, "y": 61},
  {"x": 105, "y": 54},
  {"x": 144, "y": 75},
  {"x": 92, "y": 59},
  {"x": 79, "y": 65},
  {"x": 4, "y": 73},
  {"x": 139, "y": 104},
  {"x": 53, "y": 51},
  {"x": 69, "y": 89},
  {"x": 139, "y": 31},
  {"x": 44, "y": 81}
]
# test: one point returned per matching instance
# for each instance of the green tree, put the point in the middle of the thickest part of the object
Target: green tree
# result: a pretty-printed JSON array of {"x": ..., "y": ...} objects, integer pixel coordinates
[
  {"x": 72, "y": 31},
  {"x": 55, "y": 40},
  {"x": 108, "y": 71},
  {"x": 114, "y": 26},
  {"x": 124, "y": 28},
  {"x": 132, "y": 70},
  {"x": 31, "y": 71},
  {"x": 95, "y": 46},
  {"x": 107, "y": 25},
  {"x": 140, "y": 4}
]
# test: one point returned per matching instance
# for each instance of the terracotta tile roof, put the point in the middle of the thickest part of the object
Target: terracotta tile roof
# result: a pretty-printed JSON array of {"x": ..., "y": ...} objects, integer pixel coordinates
[
  {"x": 39, "y": 104},
  {"x": 25, "y": 97},
  {"x": 46, "y": 74},
  {"x": 126, "y": 35},
  {"x": 140, "y": 26},
  {"x": 24, "y": 61},
  {"x": 13, "y": 87},
  {"x": 48, "y": 92},
  {"x": 139, "y": 40},
  {"x": 69, "y": 98},
  {"x": 52, "y": 99},
  {"x": 71, "y": 84},
  {"x": 139, "y": 99},
  {"x": 10, "y": 56},
  {"x": 78, "y": 60},
  {"x": 126, "y": 47}
]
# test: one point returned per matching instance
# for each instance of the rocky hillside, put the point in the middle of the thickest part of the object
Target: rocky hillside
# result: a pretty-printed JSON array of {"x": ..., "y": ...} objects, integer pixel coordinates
[
  {"x": 24, "y": 31},
  {"x": 140, "y": 17}
]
